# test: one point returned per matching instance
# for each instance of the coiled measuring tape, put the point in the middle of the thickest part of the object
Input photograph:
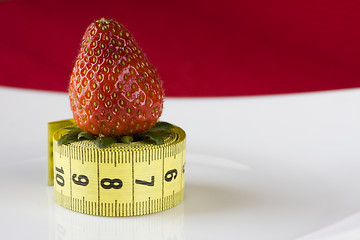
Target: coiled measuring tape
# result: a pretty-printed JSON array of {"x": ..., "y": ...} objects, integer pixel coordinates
[{"x": 121, "y": 180}]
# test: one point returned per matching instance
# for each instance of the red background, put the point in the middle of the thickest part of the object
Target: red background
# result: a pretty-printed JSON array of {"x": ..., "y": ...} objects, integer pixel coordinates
[{"x": 200, "y": 48}]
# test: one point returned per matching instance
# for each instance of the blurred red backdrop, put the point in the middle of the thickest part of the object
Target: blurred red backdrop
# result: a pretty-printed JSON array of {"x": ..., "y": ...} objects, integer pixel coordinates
[{"x": 200, "y": 48}]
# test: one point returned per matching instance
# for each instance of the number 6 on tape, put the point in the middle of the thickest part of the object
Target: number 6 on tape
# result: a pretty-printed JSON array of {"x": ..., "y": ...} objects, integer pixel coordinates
[{"x": 121, "y": 180}]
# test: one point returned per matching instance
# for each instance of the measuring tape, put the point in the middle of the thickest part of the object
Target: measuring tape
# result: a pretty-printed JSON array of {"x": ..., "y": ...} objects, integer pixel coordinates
[{"x": 120, "y": 180}]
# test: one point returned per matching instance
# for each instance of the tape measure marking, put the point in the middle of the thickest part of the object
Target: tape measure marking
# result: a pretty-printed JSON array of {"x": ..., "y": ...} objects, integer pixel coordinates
[{"x": 120, "y": 181}]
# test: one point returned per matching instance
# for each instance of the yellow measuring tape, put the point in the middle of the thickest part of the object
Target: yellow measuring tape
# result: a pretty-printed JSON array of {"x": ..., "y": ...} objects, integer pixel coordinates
[{"x": 121, "y": 180}]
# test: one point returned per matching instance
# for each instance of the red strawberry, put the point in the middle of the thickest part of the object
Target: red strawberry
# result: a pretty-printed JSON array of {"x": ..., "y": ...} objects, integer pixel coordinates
[{"x": 114, "y": 90}]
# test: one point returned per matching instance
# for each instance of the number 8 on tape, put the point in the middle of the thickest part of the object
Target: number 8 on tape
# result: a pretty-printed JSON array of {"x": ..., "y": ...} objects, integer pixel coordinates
[{"x": 121, "y": 180}]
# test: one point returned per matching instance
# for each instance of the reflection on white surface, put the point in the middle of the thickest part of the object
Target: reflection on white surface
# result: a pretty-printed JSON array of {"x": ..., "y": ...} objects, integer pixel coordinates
[{"x": 68, "y": 225}]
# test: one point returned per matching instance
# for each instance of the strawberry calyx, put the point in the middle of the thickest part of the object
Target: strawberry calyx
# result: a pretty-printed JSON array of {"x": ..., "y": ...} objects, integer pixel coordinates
[{"x": 154, "y": 135}]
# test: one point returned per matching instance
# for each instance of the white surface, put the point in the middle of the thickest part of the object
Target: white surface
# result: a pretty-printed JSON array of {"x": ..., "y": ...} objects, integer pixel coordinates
[
  {"x": 347, "y": 229},
  {"x": 271, "y": 167}
]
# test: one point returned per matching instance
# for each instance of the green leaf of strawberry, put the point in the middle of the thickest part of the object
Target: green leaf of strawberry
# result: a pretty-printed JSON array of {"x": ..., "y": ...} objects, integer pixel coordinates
[
  {"x": 161, "y": 126},
  {"x": 85, "y": 136},
  {"x": 104, "y": 142},
  {"x": 114, "y": 90},
  {"x": 153, "y": 137},
  {"x": 125, "y": 139},
  {"x": 68, "y": 138}
]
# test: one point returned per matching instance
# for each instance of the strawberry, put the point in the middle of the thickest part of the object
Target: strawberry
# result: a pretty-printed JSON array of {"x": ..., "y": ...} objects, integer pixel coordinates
[{"x": 114, "y": 90}]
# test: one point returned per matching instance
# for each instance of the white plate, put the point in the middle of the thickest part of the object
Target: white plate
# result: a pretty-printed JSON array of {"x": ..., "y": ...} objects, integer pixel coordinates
[{"x": 275, "y": 167}]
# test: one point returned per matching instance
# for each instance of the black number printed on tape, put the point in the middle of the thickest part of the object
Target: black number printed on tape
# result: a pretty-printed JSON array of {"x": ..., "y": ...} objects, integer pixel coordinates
[
  {"x": 81, "y": 180},
  {"x": 170, "y": 175},
  {"x": 59, "y": 178},
  {"x": 108, "y": 183}
]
